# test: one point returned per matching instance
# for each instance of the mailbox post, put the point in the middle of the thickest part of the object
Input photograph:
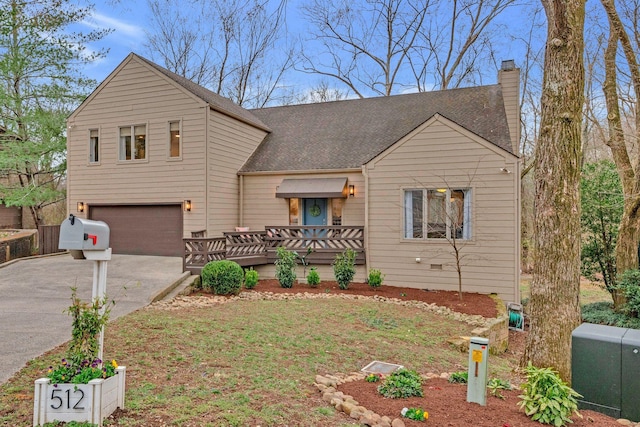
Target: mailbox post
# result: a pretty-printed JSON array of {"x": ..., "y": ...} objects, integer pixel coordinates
[
  {"x": 87, "y": 239},
  {"x": 477, "y": 380}
]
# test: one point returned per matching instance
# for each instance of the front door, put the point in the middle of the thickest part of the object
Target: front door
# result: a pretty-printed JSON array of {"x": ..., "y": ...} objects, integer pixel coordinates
[{"x": 315, "y": 212}]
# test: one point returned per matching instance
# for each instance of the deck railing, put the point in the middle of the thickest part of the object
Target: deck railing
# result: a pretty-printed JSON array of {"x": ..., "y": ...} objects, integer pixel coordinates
[{"x": 250, "y": 248}]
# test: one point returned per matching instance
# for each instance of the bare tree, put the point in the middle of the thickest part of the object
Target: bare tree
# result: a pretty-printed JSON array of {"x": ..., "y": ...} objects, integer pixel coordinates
[
  {"x": 624, "y": 146},
  {"x": 455, "y": 43},
  {"x": 236, "y": 48},
  {"x": 364, "y": 45},
  {"x": 554, "y": 303}
]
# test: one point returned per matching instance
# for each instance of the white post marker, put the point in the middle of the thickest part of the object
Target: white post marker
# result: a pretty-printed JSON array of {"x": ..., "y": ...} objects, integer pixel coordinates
[{"x": 477, "y": 381}]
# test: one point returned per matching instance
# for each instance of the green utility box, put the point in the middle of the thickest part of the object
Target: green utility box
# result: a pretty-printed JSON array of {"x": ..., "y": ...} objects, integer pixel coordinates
[{"x": 605, "y": 369}]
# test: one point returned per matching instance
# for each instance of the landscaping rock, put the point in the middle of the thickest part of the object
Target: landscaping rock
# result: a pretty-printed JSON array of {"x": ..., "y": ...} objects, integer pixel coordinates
[{"x": 397, "y": 422}]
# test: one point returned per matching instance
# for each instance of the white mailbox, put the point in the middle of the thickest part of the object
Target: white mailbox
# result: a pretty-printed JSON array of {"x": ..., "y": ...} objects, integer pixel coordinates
[{"x": 83, "y": 234}]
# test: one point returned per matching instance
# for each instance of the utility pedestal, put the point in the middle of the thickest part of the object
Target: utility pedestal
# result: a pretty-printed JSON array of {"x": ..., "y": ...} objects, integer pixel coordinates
[{"x": 477, "y": 381}]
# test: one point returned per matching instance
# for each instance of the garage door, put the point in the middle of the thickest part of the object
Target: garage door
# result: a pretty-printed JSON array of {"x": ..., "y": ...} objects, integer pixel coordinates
[{"x": 143, "y": 230}]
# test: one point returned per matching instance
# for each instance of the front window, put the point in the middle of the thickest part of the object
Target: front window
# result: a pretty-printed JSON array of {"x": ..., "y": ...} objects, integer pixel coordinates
[
  {"x": 174, "y": 139},
  {"x": 94, "y": 146},
  {"x": 294, "y": 211},
  {"x": 133, "y": 142},
  {"x": 448, "y": 214}
]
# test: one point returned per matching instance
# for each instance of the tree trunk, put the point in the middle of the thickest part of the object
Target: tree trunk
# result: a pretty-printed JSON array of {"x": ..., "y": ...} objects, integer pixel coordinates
[
  {"x": 629, "y": 231},
  {"x": 554, "y": 302}
]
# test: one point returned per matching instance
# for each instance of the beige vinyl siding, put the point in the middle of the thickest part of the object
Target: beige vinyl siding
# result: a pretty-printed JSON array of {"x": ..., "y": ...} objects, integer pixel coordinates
[
  {"x": 230, "y": 144},
  {"x": 135, "y": 94},
  {"x": 442, "y": 155},
  {"x": 262, "y": 207}
]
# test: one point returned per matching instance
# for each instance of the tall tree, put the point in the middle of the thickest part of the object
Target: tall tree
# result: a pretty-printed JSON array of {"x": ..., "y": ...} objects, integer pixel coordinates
[
  {"x": 555, "y": 286},
  {"x": 380, "y": 47},
  {"x": 39, "y": 87},
  {"x": 233, "y": 47},
  {"x": 624, "y": 146},
  {"x": 365, "y": 45}
]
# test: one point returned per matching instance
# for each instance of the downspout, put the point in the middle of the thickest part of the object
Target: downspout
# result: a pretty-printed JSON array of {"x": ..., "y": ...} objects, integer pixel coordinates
[
  {"x": 367, "y": 261},
  {"x": 241, "y": 203},
  {"x": 518, "y": 236},
  {"x": 206, "y": 168}
]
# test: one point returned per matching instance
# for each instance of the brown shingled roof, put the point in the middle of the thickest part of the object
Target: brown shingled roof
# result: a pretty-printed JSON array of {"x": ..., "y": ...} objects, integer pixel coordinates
[
  {"x": 348, "y": 134},
  {"x": 217, "y": 102}
]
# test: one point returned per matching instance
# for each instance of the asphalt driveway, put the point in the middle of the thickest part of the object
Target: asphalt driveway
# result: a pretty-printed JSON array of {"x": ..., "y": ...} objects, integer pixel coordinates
[{"x": 35, "y": 292}]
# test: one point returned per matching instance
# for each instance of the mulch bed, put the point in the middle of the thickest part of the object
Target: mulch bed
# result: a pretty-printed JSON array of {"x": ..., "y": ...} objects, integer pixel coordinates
[{"x": 471, "y": 303}]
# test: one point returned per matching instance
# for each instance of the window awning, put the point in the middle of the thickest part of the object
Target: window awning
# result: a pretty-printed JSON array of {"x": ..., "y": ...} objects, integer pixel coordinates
[{"x": 313, "y": 188}]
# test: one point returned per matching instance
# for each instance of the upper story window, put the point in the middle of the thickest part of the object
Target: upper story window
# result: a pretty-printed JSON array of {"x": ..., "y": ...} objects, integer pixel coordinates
[
  {"x": 174, "y": 140},
  {"x": 133, "y": 142},
  {"x": 437, "y": 214},
  {"x": 94, "y": 146}
]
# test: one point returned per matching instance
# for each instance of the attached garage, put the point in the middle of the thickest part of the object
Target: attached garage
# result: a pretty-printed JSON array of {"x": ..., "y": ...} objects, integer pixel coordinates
[{"x": 142, "y": 229}]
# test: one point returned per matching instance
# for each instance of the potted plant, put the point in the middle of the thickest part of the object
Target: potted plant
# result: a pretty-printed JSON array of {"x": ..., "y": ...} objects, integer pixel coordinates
[{"x": 81, "y": 388}]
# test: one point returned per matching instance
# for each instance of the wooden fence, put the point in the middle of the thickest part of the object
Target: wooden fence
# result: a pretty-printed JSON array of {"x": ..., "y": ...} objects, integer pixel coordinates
[{"x": 48, "y": 236}]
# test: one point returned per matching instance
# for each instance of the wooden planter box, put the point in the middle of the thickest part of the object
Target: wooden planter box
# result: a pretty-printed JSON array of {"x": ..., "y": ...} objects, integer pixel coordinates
[{"x": 91, "y": 402}]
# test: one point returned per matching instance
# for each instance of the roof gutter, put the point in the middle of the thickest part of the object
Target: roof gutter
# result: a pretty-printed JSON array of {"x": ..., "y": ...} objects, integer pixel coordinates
[{"x": 302, "y": 172}]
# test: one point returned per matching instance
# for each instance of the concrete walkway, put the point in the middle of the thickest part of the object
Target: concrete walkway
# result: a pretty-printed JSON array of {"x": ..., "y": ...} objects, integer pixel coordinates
[{"x": 35, "y": 292}]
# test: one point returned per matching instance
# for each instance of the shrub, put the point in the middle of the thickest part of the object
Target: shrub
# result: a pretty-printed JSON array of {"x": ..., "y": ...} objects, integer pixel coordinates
[
  {"x": 629, "y": 284},
  {"x": 222, "y": 277},
  {"x": 602, "y": 313},
  {"x": 400, "y": 384},
  {"x": 344, "y": 268},
  {"x": 496, "y": 384},
  {"x": 285, "y": 267},
  {"x": 313, "y": 278},
  {"x": 250, "y": 278},
  {"x": 547, "y": 399},
  {"x": 375, "y": 278}
]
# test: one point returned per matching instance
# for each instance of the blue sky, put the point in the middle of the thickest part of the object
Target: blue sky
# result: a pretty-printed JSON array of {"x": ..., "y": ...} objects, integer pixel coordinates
[
  {"x": 128, "y": 35},
  {"x": 127, "y": 19}
]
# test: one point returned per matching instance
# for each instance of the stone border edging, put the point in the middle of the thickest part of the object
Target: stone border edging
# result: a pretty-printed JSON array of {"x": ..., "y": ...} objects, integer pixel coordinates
[{"x": 327, "y": 385}]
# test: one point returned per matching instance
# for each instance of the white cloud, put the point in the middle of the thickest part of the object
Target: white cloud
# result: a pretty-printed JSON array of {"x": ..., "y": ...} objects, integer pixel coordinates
[{"x": 121, "y": 28}]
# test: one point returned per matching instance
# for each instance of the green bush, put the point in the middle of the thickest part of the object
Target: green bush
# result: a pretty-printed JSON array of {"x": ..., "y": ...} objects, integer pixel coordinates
[
  {"x": 313, "y": 278},
  {"x": 629, "y": 284},
  {"x": 602, "y": 313},
  {"x": 375, "y": 278},
  {"x": 222, "y": 277},
  {"x": 250, "y": 278},
  {"x": 400, "y": 384},
  {"x": 344, "y": 268},
  {"x": 285, "y": 267},
  {"x": 461, "y": 377},
  {"x": 547, "y": 399}
]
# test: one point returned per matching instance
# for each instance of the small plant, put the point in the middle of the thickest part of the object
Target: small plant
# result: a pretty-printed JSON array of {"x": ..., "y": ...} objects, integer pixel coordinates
[
  {"x": 344, "y": 268},
  {"x": 373, "y": 378},
  {"x": 313, "y": 278},
  {"x": 400, "y": 384},
  {"x": 223, "y": 277},
  {"x": 461, "y": 377},
  {"x": 547, "y": 399},
  {"x": 81, "y": 363},
  {"x": 495, "y": 385},
  {"x": 375, "y": 278},
  {"x": 415, "y": 414},
  {"x": 250, "y": 278},
  {"x": 304, "y": 261},
  {"x": 285, "y": 267}
]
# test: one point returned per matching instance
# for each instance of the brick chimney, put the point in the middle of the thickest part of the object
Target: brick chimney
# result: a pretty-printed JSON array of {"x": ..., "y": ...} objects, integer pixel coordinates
[{"x": 509, "y": 79}]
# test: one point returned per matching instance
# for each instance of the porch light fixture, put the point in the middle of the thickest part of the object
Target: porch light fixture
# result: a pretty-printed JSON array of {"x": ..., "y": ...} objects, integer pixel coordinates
[
  {"x": 352, "y": 190},
  {"x": 81, "y": 206},
  {"x": 187, "y": 205},
  {"x": 441, "y": 190}
]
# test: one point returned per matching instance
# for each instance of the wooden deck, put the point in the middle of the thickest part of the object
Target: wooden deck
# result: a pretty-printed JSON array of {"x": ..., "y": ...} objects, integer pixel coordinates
[{"x": 252, "y": 248}]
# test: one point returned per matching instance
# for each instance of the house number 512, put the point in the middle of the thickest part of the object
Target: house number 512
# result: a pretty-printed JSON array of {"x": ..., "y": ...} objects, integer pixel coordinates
[{"x": 59, "y": 401}]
